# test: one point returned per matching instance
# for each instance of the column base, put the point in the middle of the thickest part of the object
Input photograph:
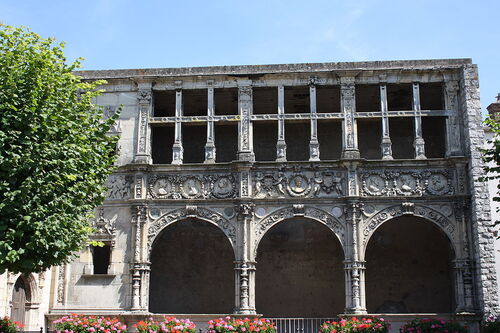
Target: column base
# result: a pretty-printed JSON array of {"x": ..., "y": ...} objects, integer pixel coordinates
[
  {"x": 142, "y": 159},
  {"x": 351, "y": 155},
  {"x": 246, "y": 156}
]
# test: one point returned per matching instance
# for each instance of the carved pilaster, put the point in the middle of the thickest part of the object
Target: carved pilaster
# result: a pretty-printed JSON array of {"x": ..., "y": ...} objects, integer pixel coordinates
[
  {"x": 464, "y": 294},
  {"x": 245, "y": 129},
  {"x": 419, "y": 143},
  {"x": 210, "y": 145},
  {"x": 177, "y": 149},
  {"x": 314, "y": 143},
  {"x": 386, "y": 144},
  {"x": 453, "y": 147},
  {"x": 281, "y": 144},
  {"x": 350, "y": 131},
  {"x": 139, "y": 217},
  {"x": 144, "y": 98}
]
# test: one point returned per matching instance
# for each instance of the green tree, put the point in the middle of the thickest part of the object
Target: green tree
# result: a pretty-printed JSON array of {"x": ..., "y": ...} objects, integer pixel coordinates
[
  {"x": 491, "y": 157},
  {"x": 55, "y": 155}
]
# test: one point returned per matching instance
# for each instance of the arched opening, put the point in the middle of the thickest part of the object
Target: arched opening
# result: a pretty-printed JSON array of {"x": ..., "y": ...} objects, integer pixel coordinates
[
  {"x": 192, "y": 270},
  {"x": 20, "y": 296},
  {"x": 409, "y": 268},
  {"x": 299, "y": 271}
]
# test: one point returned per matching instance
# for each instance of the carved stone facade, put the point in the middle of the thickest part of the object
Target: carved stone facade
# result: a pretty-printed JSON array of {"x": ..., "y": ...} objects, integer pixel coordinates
[{"x": 352, "y": 196}]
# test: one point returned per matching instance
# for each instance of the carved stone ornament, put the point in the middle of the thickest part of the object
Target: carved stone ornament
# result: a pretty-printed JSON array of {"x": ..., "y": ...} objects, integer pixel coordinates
[
  {"x": 144, "y": 96},
  {"x": 192, "y": 188},
  {"x": 374, "y": 184},
  {"x": 223, "y": 186},
  {"x": 298, "y": 185},
  {"x": 438, "y": 184},
  {"x": 119, "y": 187},
  {"x": 105, "y": 229},
  {"x": 109, "y": 111}
]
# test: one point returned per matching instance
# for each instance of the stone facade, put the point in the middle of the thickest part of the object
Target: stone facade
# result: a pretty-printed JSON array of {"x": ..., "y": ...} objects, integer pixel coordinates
[{"x": 358, "y": 150}]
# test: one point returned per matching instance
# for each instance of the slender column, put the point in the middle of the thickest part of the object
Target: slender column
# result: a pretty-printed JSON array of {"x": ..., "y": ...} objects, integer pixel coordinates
[
  {"x": 314, "y": 143},
  {"x": 178, "y": 150},
  {"x": 453, "y": 144},
  {"x": 143, "y": 155},
  {"x": 245, "y": 128},
  {"x": 386, "y": 144},
  {"x": 281, "y": 144},
  {"x": 245, "y": 269},
  {"x": 210, "y": 145},
  {"x": 348, "y": 105},
  {"x": 138, "y": 219},
  {"x": 419, "y": 143}
]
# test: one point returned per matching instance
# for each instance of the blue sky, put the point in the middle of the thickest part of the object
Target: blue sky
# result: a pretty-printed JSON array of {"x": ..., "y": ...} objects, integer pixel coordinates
[{"x": 112, "y": 34}]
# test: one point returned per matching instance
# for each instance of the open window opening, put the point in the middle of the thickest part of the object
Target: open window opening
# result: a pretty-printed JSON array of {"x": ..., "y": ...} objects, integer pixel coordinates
[
  {"x": 226, "y": 142},
  {"x": 434, "y": 134},
  {"x": 330, "y": 139},
  {"x": 367, "y": 98},
  {"x": 297, "y": 99},
  {"x": 226, "y": 101},
  {"x": 194, "y": 102},
  {"x": 101, "y": 258},
  {"x": 369, "y": 138},
  {"x": 399, "y": 97},
  {"x": 431, "y": 96},
  {"x": 265, "y": 100},
  {"x": 327, "y": 99},
  {"x": 402, "y": 135},
  {"x": 162, "y": 140},
  {"x": 297, "y": 138},
  {"x": 265, "y": 136},
  {"x": 164, "y": 103},
  {"x": 194, "y": 139}
]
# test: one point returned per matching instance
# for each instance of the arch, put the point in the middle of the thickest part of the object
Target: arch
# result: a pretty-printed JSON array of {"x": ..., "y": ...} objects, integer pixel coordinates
[
  {"x": 176, "y": 215},
  {"x": 24, "y": 289},
  {"x": 410, "y": 209},
  {"x": 312, "y": 213},
  {"x": 192, "y": 269}
]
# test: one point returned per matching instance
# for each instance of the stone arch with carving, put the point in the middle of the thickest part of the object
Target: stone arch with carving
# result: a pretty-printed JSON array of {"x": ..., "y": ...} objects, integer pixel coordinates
[
  {"x": 449, "y": 227},
  {"x": 312, "y": 213},
  {"x": 177, "y": 215},
  {"x": 32, "y": 295}
]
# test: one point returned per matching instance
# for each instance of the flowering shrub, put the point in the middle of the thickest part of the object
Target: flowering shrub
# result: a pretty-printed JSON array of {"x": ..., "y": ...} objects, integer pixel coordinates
[
  {"x": 432, "y": 326},
  {"x": 9, "y": 326},
  {"x": 170, "y": 324},
  {"x": 369, "y": 324},
  {"x": 76, "y": 323},
  {"x": 491, "y": 325},
  {"x": 230, "y": 325}
]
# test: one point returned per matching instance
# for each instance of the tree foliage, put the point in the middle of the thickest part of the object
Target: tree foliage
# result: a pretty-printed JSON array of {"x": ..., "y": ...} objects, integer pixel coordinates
[
  {"x": 55, "y": 155},
  {"x": 491, "y": 156}
]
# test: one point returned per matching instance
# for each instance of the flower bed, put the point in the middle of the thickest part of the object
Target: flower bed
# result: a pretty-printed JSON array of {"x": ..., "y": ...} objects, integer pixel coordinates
[
  {"x": 76, "y": 323},
  {"x": 230, "y": 325},
  {"x": 169, "y": 324},
  {"x": 432, "y": 326},
  {"x": 9, "y": 326},
  {"x": 368, "y": 324}
]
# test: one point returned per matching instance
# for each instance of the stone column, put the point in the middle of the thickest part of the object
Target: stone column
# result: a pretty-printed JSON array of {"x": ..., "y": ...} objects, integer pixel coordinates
[
  {"x": 245, "y": 128},
  {"x": 138, "y": 220},
  {"x": 178, "y": 150},
  {"x": 143, "y": 155},
  {"x": 464, "y": 295},
  {"x": 281, "y": 144},
  {"x": 386, "y": 144},
  {"x": 453, "y": 142},
  {"x": 314, "y": 143},
  {"x": 210, "y": 145},
  {"x": 244, "y": 268},
  {"x": 350, "y": 132},
  {"x": 419, "y": 143}
]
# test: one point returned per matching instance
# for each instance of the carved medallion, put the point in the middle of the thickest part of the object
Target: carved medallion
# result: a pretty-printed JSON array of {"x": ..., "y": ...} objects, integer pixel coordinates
[
  {"x": 437, "y": 184},
  {"x": 161, "y": 188},
  {"x": 223, "y": 187},
  {"x": 406, "y": 185},
  {"x": 374, "y": 185},
  {"x": 298, "y": 185},
  {"x": 192, "y": 188}
]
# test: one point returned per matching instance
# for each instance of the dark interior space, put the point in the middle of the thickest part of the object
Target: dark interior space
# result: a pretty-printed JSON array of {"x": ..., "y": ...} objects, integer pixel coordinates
[
  {"x": 399, "y": 97},
  {"x": 297, "y": 138},
  {"x": 226, "y": 101},
  {"x": 226, "y": 142},
  {"x": 367, "y": 98},
  {"x": 265, "y": 136},
  {"x": 327, "y": 99},
  {"x": 431, "y": 96},
  {"x": 162, "y": 140},
  {"x": 297, "y": 99},
  {"x": 265, "y": 100},
  {"x": 164, "y": 103},
  {"x": 369, "y": 138},
  {"x": 101, "y": 256},
  {"x": 194, "y": 102},
  {"x": 402, "y": 135},
  {"x": 194, "y": 139},
  {"x": 434, "y": 134},
  {"x": 330, "y": 139}
]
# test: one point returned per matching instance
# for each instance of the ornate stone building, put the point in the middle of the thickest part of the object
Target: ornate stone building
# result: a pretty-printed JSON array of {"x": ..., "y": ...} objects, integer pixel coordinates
[{"x": 302, "y": 190}]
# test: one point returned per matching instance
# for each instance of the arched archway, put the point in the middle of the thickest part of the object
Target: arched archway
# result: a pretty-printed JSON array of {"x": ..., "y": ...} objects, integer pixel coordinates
[
  {"x": 299, "y": 270},
  {"x": 409, "y": 268},
  {"x": 21, "y": 297},
  {"x": 192, "y": 269}
]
